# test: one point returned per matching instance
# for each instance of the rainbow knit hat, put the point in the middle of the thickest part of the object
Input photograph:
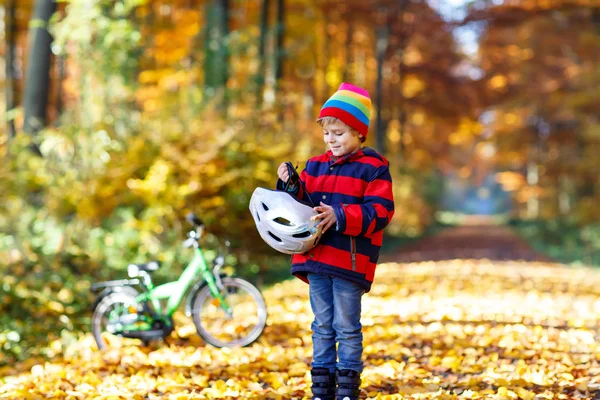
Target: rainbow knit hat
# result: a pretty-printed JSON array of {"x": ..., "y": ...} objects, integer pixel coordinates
[{"x": 351, "y": 105}]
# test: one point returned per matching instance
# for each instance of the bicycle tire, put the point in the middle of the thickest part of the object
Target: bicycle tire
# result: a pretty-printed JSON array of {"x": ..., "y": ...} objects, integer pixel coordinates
[
  {"x": 117, "y": 289},
  {"x": 236, "y": 333},
  {"x": 104, "y": 306}
]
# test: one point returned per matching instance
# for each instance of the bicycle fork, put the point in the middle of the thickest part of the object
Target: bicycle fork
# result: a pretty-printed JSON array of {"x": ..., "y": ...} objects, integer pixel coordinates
[{"x": 217, "y": 290}]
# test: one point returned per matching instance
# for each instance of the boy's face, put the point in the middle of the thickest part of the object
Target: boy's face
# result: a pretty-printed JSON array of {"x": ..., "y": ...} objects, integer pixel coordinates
[{"x": 340, "y": 139}]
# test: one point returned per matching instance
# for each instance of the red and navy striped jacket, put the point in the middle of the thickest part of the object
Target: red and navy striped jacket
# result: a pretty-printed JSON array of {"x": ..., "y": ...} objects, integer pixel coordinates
[{"x": 359, "y": 188}]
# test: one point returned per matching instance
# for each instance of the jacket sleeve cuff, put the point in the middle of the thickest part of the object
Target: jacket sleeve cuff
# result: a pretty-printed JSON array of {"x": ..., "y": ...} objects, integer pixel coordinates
[{"x": 340, "y": 215}]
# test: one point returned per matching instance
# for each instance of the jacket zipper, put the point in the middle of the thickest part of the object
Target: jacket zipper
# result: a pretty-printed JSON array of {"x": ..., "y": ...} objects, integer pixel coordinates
[{"x": 353, "y": 252}]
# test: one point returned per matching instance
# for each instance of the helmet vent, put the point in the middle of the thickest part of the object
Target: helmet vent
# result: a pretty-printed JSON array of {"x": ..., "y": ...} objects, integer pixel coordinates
[
  {"x": 283, "y": 221},
  {"x": 302, "y": 235},
  {"x": 274, "y": 237}
]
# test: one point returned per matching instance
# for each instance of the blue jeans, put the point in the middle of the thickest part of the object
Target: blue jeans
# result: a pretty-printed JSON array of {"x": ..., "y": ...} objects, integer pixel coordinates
[{"x": 336, "y": 304}]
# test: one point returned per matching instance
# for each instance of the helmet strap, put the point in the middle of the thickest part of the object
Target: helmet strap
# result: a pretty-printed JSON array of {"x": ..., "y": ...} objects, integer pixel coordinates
[{"x": 294, "y": 178}]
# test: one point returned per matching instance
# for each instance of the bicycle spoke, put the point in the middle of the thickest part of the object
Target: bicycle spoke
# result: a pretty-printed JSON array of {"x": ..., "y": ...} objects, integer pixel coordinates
[{"x": 242, "y": 327}]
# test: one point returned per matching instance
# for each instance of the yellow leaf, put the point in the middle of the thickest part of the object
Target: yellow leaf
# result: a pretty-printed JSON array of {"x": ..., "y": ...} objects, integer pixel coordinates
[
  {"x": 412, "y": 86},
  {"x": 567, "y": 376},
  {"x": 506, "y": 393},
  {"x": 498, "y": 82},
  {"x": 451, "y": 362},
  {"x": 525, "y": 394},
  {"x": 298, "y": 369}
]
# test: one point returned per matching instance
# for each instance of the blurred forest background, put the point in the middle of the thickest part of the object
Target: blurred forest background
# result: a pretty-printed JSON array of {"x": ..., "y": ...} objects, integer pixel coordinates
[{"x": 123, "y": 116}]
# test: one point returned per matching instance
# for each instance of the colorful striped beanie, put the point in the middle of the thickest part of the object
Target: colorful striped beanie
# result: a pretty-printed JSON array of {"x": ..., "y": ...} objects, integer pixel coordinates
[{"x": 351, "y": 105}]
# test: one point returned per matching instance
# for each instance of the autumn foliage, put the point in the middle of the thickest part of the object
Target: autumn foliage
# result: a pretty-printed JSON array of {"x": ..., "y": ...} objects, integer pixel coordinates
[
  {"x": 448, "y": 330},
  {"x": 158, "y": 108}
]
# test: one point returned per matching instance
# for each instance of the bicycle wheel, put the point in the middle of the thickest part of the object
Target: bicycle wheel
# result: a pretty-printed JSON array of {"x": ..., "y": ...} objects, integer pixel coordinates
[
  {"x": 118, "y": 289},
  {"x": 246, "y": 323},
  {"x": 117, "y": 306}
]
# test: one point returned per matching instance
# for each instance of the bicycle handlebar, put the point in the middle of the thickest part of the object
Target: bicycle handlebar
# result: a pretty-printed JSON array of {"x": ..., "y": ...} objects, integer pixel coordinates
[
  {"x": 194, "y": 220},
  {"x": 193, "y": 237}
]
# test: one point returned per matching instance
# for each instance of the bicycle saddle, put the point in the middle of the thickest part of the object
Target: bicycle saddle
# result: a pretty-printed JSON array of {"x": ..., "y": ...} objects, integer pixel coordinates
[{"x": 148, "y": 267}]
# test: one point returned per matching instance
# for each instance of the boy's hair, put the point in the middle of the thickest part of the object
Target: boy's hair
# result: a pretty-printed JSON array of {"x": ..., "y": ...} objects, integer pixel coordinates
[{"x": 325, "y": 121}]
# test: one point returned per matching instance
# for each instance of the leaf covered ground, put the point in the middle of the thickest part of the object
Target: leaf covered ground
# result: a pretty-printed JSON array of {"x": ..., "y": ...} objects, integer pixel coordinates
[{"x": 454, "y": 329}]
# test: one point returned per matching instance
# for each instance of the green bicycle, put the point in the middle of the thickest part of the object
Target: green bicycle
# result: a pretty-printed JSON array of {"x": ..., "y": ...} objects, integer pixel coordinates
[{"x": 227, "y": 311}]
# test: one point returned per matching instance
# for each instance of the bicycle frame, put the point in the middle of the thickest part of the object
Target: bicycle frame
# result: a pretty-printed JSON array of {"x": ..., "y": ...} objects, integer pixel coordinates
[{"x": 175, "y": 291}]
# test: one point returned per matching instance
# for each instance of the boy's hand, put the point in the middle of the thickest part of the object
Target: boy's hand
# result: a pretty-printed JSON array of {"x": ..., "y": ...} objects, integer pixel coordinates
[
  {"x": 282, "y": 172},
  {"x": 327, "y": 215}
]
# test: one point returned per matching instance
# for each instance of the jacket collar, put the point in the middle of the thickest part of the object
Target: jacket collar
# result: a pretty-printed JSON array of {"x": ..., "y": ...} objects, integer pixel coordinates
[{"x": 345, "y": 158}]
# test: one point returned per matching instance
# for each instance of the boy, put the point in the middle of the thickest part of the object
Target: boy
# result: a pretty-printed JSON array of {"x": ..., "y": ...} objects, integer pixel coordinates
[{"x": 353, "y": 189}]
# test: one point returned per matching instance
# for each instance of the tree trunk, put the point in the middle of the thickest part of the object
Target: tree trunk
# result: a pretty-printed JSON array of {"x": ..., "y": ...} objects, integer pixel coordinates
[
  {"x": 596, "y": 18},
  {"x": 224, "y": 48},
  {"x": 61, "y": 77},
  {"x": 382, "y": 43},
  {"x": 260, "y": 74},
  {"x": 348, "y": 52},
  {"x": 10, "y": 25},
  {"x": 324, "y": 56},
  {"x": 533, "y": 203},
  {"x": 37, "y": 79},
  {"x": 404, "y": 36},
  {"x": 279, "y": 50},
  {"x": 216, "y": 68}
]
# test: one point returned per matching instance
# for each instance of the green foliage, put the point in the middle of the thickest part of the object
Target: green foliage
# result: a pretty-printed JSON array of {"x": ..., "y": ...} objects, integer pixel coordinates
[
  {"x": 38, "y": 303},
  {"x": 94, "y": 203},
  {"x": 562, "y": 239},
  {"x": 106, "y": 42},
  {"x": 103, "y": 34},
  {"x": 416, "y": 197}
]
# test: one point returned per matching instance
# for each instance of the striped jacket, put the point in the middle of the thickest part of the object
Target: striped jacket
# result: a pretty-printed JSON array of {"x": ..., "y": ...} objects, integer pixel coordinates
[{"x": 359, "y": 188}]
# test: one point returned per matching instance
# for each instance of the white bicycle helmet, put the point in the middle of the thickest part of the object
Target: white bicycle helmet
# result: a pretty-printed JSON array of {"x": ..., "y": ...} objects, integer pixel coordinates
[{"x": 284, "y": 222}]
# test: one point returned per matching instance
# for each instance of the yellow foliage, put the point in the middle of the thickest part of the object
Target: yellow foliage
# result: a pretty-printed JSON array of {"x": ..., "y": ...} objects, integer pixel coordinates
[
  {"x": 412, "y": 86},
  {"x": 465, "y": 329},
  {"x": 498, "y": 82}
]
